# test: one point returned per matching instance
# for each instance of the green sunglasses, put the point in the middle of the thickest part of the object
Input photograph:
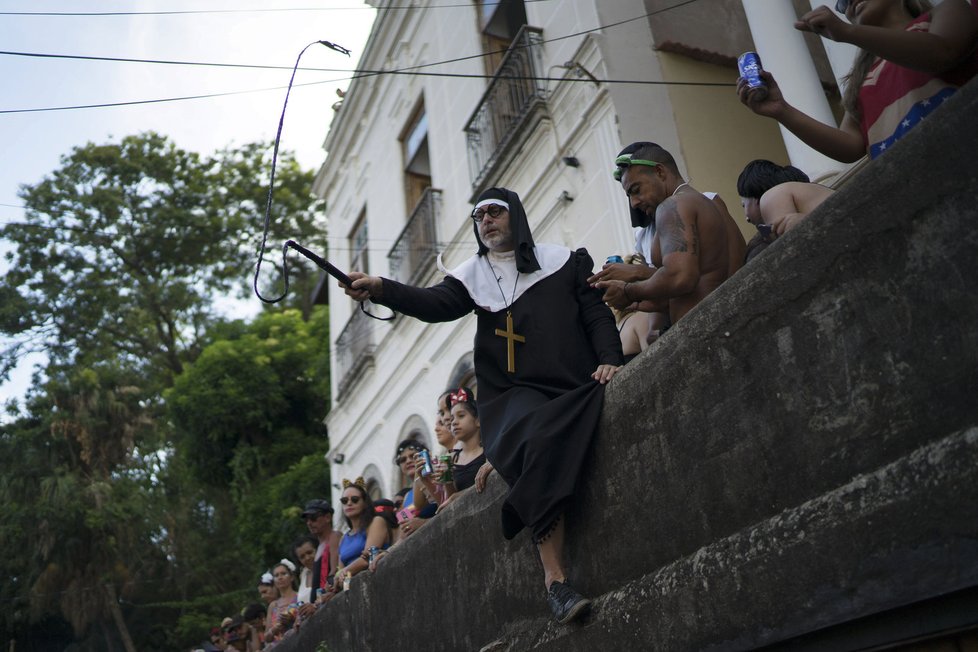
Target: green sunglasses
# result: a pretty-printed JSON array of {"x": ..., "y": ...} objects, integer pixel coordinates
[{"x": 625, "y": 160}]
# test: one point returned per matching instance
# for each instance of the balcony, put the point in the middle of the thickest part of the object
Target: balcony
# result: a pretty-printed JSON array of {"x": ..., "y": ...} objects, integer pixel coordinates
[
  {"x": 413, "y": 255},
  {"x": 354, "y": 350},
  {"x": 513, "y": 96}
]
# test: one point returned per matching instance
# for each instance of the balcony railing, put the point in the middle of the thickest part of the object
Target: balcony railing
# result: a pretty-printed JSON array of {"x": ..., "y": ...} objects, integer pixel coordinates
[
  {"x": 354, "y": 350},
  {"x": 413, "y": 254},
  {"x": 509, "y": 99}
]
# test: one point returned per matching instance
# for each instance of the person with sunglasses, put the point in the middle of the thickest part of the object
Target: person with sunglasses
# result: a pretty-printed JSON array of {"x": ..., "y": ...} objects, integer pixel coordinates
[
  {"x": 318, "y": 515},
  {"x": 545, "y": 346},
  {"x": 367, "y": 529},
  {"x": 912, "y": 57},
  {"x": 695, "y": 247},
  {"x": 415, "y": 510}
]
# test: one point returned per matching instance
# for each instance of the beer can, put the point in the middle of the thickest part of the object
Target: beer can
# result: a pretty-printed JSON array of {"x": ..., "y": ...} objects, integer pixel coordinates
[
  {"x": 614, "y": 259},
  {"x": 446, "y": 476},
  {"x": 428, "y": 467},
  {"x": 750, "y": 68},
  {"x": 374, "y": 551}
]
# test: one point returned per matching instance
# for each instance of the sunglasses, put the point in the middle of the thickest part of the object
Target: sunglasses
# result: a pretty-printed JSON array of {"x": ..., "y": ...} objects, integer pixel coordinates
[
  {"x": 493, "y": 210},
  {"x": 353, "y": 500},
  {"x": 402, "y": 459},
  {"x": 625, "y": 160}
]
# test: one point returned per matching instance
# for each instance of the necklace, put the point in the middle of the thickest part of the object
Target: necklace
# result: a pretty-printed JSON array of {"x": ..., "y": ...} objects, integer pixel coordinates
[
  {"x": 509, "y": 334},
  {"x": 498, "y": 279},
  {"x": 678, "y": 187}
]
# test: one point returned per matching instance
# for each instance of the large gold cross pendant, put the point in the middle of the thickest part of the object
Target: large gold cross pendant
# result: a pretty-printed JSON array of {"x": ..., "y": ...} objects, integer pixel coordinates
[{"x": 511, "y": 339}]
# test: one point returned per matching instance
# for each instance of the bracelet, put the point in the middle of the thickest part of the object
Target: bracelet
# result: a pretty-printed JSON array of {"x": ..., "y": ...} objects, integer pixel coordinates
[{"x": 624, "y": 290}]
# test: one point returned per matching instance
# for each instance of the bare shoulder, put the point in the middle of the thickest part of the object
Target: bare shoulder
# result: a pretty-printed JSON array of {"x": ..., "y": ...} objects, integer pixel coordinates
[{"x": 804, "y": 196}]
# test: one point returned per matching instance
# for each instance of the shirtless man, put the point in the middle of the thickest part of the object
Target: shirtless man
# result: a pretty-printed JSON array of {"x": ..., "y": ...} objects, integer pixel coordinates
[{"x": 692, "y": 250}]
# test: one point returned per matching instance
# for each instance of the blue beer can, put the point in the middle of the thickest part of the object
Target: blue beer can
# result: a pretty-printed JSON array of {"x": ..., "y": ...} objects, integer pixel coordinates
[
  {"x": 428, "y": 467},
  {"x": 749, "y": 66},
  {"x": 614, "y": 259}
]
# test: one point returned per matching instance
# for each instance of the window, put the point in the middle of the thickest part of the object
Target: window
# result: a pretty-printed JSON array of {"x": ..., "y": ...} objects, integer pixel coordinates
[
  {"x": 358, "y": 245},
  {"x": 417, "y": 166},
  {"x": 499, "y": 21}
]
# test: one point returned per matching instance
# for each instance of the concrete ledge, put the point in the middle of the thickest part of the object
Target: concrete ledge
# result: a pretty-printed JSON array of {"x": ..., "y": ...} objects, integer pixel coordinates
[{"x": 797, "y": 453}]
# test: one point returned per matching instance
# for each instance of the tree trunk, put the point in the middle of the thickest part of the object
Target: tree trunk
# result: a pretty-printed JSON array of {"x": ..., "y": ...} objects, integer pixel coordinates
[{"x": 117, "y": 617}]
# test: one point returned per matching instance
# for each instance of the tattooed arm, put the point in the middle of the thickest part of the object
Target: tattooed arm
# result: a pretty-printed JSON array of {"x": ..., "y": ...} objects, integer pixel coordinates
[{"x": 679, "y": 241}]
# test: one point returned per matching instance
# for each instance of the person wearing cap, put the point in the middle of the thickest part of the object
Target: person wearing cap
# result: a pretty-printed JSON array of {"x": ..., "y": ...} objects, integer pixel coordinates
[
  {"x": 237, "y": 633},
  {"x": 318, "y": 515},
  {"x": 695, "y": 246},
  {"x": 545, "y": 345}
]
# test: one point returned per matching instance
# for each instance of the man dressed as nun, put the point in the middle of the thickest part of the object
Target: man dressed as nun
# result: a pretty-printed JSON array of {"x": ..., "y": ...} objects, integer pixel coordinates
[{"x": 545, "y": 345}]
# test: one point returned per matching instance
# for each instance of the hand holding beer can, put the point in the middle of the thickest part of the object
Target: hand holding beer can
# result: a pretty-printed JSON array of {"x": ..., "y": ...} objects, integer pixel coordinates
[
  {"x": 749, "y": 66},
  {"x": 427, "y": 469},
  {"x": 446, "y": 475},
  {"x": 611, "y": 260}
]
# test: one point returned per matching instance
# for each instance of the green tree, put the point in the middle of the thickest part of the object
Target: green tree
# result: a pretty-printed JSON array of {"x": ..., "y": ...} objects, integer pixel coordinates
[
  {"x": 126, "y": 246},
  {"x": 247, "y": 414},
  {"x": 90, "y": 499},
  {"x": 108, "y": 522}
]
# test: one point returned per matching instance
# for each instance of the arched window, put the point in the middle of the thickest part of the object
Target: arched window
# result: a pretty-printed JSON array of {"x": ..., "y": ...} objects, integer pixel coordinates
[
  {"x": 373, "y": 477},
  {"x": 463, "y": 374}
]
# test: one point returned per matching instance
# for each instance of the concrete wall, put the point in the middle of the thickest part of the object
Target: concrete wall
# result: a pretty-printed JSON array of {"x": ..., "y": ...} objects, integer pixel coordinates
[{"x": 799, "y": 452}]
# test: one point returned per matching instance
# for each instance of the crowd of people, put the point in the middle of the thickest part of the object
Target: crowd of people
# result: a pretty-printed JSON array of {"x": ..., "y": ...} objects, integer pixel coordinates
[
  {"x": 538, "y": 407},
  {"x": 323, "y": 562}
]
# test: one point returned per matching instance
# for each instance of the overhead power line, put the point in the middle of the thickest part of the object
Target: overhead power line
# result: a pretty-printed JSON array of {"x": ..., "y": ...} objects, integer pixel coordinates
[
  {"x": 357, "y": 74},
  {"x": 230, "y": 11}
]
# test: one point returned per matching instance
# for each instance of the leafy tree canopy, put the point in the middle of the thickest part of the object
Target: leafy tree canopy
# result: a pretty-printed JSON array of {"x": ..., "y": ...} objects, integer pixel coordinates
[
  {"x": 126, "y": 246},
  {"x": 248, "y": 403}
]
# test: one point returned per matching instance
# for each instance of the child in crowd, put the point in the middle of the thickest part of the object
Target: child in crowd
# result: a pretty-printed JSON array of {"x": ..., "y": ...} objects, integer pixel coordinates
[
  {"x": 304, "y": 551},
  {"x": 775, "y": 198},
  {"x": 277, "y": 620},
  {"x": 254, "y": 616},
  {"x": 443, "y": 422},
  {"x": 912, "y": 58},
  {"x": 633, "y": 325},
  {"x": 468, "y": 456},
  {"x": 415, "y": 508},
  {"x": 432, "y": 492},
  {"x": 266, "y": 588}
]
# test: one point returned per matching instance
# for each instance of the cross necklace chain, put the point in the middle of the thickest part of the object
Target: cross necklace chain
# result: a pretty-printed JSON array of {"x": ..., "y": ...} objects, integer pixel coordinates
[{"x": 511, "y": 336}]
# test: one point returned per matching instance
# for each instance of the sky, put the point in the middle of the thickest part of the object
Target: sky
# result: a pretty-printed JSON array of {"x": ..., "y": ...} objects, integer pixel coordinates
[{"x": 34, "y": 142}]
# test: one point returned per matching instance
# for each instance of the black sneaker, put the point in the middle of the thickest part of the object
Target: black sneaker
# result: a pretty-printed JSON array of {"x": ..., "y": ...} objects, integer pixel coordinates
[{"x": 566, "y": 603}]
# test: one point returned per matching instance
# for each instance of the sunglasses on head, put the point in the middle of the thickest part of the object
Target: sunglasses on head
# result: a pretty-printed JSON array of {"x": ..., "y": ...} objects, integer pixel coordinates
[
  {"x": 624, "y": 161},
  {"x": 353, "y": 500},
  {"x": 494, "y": 210}
]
